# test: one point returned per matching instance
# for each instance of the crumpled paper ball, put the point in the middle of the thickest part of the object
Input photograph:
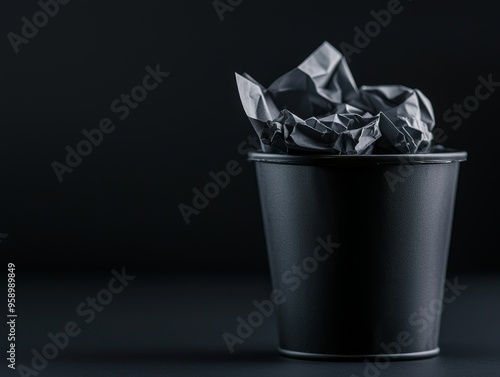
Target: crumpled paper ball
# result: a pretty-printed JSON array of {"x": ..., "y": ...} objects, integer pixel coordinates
[{"x": 318, "y": 108}]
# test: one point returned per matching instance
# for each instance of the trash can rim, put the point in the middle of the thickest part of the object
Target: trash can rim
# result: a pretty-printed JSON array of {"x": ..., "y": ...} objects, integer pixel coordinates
[{"x": 442, "y": 156}]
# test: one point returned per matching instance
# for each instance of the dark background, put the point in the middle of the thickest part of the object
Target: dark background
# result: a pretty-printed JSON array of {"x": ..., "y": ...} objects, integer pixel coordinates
[{"x": 120, "y": 206}]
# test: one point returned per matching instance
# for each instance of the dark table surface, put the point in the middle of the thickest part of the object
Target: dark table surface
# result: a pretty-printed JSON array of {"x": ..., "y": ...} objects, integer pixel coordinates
[{"x": 173, "y": 326}]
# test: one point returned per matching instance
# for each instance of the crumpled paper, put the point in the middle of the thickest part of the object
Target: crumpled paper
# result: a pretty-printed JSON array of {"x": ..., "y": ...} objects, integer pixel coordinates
[{"x": 317, "y": 107}]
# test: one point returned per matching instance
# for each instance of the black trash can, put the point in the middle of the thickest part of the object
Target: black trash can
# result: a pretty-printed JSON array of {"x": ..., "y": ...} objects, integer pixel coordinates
[{"x": 358, "y": 245}]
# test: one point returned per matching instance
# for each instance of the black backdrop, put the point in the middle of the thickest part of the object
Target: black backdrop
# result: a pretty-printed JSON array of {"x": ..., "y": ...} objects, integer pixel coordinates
[{"x": 120, "y": 205}]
